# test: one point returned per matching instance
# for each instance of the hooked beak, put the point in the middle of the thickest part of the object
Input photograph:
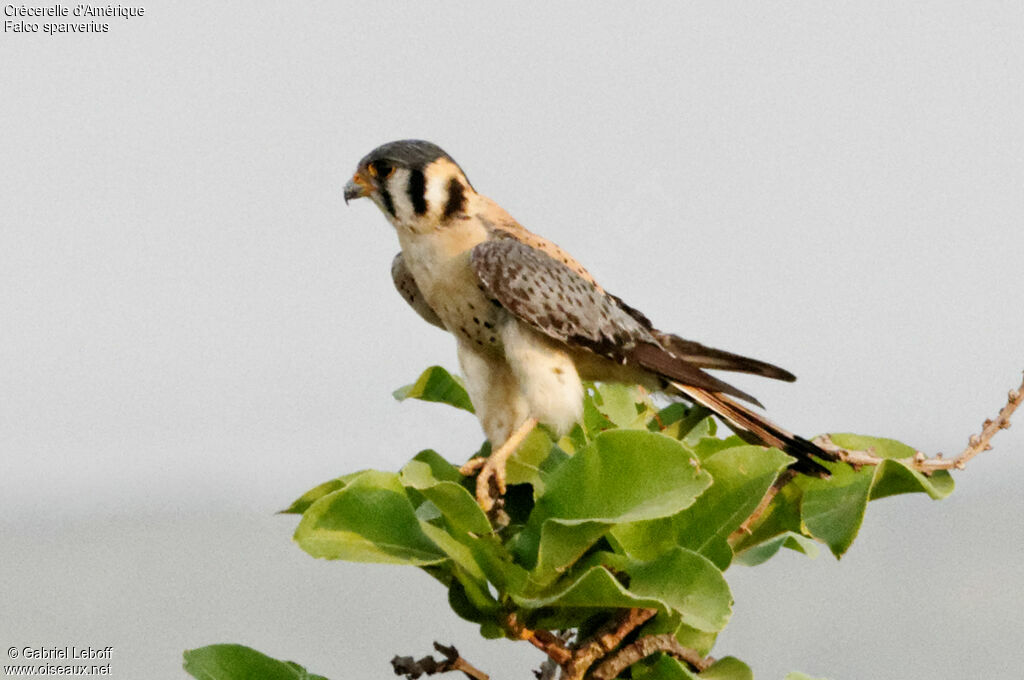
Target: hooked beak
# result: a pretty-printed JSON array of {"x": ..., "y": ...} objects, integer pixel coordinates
[{"x": 357, "y": 187}]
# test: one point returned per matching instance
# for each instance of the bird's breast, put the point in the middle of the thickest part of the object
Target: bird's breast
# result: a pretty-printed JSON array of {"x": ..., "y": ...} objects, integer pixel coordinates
[{"x": 441, "y": 267}]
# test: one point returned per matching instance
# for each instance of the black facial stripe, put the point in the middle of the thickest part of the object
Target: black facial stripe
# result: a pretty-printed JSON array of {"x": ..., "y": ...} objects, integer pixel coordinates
[
  {"x": 456, "y": 198},
  {"x": 389, "y": 204},
  {"x": 418, "y": 191}
]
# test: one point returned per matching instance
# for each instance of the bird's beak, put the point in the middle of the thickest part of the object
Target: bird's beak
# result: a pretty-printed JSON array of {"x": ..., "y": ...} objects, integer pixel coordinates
[{"x": 357, "y": 187}]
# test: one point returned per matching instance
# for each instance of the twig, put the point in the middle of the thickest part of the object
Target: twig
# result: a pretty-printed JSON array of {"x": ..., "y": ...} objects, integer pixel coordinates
[
  {"x": 644, "y": 647},
  {"x": 544, "y": 640},
  {"x": 607, "y": 638},
  {"x": 428, "y": 665},
  {"x": 919, "y": 461},
  {"x": 550, "y": 667},
  {"x": 745, "y": 529}
]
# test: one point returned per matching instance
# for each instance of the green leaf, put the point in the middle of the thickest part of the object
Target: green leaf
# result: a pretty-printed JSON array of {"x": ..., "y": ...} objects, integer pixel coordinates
[
  {"x": 833, "y": 509},
  {"x": 460, "y": 554},
  {"x": 307, "y": 499},
  {"x": 448, "y": 495},
  {"x": 237, "y": 662},
  {"x": 437, "y": 385},
  {"x": 782, "y": 515},
  {"x": 594, "y": 589},
  {"x": 698, "y": 640},
  {"x": 562, "y": 544},
  {"x": 728, "y": 668},
  {"x": 533, "y": 461},
  {"x": 430, "y": 466},
  {"x": 662, "y": 667},
  {"x": 764, "y": 551},
  {"x": 895, "y": 477},
  {"x": 687, "y": 583},
  {"x": 682, "y": 584},
  {"x": 742, "y": 475},
  {"x": 668, "y": 417},
  {"x": 368, "y": 520},
  {"x": 494, "y": 559},
  {"x": 622, "y": 476},
  {"x": 665, "y": 667},
  {"x": 594, "y": 421},
  {"x": 704, "y": 428},
  {"x": 709, "y": 446},
  {"x": 622, "y": 405}
]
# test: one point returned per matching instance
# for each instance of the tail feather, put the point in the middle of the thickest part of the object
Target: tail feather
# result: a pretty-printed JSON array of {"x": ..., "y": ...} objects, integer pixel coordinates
[{"x": 760, "y": 429}]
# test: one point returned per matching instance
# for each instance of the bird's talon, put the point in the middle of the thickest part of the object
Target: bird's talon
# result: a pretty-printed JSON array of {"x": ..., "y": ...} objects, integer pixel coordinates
[
  {"x": 490, "y": 484},
  {"x": 472, "y": 466}
]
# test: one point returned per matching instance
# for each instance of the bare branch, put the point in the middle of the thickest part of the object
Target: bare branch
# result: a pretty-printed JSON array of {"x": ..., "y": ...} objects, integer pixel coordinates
[
  {"x": 920, "y": 462},
  {"x": 607, "y": 638},
  {"x": 644, "y": 647},
  {"x": 428, "y": 665}
]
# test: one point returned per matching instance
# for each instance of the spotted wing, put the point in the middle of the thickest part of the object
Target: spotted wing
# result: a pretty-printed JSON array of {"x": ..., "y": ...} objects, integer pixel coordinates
[
  {"x": 406, "y": 285},
  {"x": 550, "y": 297}
]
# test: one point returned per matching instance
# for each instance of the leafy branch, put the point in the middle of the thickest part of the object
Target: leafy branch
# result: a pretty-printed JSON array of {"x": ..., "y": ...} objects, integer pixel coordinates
[
  {"x": 977, "y": 443},
  {"x": 613, "y": 541}
]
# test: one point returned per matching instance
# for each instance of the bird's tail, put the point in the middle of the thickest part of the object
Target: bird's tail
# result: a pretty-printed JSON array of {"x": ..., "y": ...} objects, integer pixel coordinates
[{"x": 752, "y": 426}]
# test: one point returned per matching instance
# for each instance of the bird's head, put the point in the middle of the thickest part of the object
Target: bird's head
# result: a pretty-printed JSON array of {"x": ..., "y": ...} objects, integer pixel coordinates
[{"x": 412, "y": 182}]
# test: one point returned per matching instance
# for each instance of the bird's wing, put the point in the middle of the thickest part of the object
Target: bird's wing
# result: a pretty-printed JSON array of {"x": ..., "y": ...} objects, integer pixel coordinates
[
  {"x": 406, "y": 285},
  {"x": 709, "y": 357},
  {"x": 553, "y": 299},
  {"x": 703, "y": 356}
]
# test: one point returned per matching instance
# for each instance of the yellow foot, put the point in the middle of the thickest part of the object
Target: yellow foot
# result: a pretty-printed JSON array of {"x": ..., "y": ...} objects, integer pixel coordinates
[
  {"x": 492, "y": 469},
  {"x": 472, "y": 466}
]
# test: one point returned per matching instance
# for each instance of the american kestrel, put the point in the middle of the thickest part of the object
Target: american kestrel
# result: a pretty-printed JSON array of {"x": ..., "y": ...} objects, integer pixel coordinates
[{"x": 530, "y": 322}]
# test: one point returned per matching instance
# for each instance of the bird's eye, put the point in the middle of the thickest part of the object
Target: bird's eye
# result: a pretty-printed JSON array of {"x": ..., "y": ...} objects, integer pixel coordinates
[{"x": 380, "y": 170}]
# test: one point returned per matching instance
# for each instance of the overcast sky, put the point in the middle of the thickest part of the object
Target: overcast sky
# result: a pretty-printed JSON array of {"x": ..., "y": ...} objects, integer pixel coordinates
[{"x": 194, "y": 328}]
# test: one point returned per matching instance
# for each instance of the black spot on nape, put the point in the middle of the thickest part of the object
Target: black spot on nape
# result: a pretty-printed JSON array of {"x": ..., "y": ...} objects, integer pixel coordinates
[
  {"x": 389, "y": 204},
  {"x": 418, "y": 191},
  {"x": 456, "y": 202}
]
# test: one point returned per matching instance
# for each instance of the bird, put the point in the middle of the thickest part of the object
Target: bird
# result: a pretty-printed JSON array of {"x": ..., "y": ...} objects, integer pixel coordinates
[{"x": 531, "y": 324}]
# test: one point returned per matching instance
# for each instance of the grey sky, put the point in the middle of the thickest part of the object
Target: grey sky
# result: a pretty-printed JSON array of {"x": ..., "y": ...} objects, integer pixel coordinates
[{"x": 194, "y": 329}]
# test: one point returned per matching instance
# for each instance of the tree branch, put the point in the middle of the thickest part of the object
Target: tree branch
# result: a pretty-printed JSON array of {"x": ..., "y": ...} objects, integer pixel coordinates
[
  {"x": 744, "y": 529},
  {"x": 644, "y": 647},
  {"x": 544, "y": 640},
  {"x": 428, "y": 665},
  {"x": 607, "y": 638},
  {"x": 920, "y": 462}
]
